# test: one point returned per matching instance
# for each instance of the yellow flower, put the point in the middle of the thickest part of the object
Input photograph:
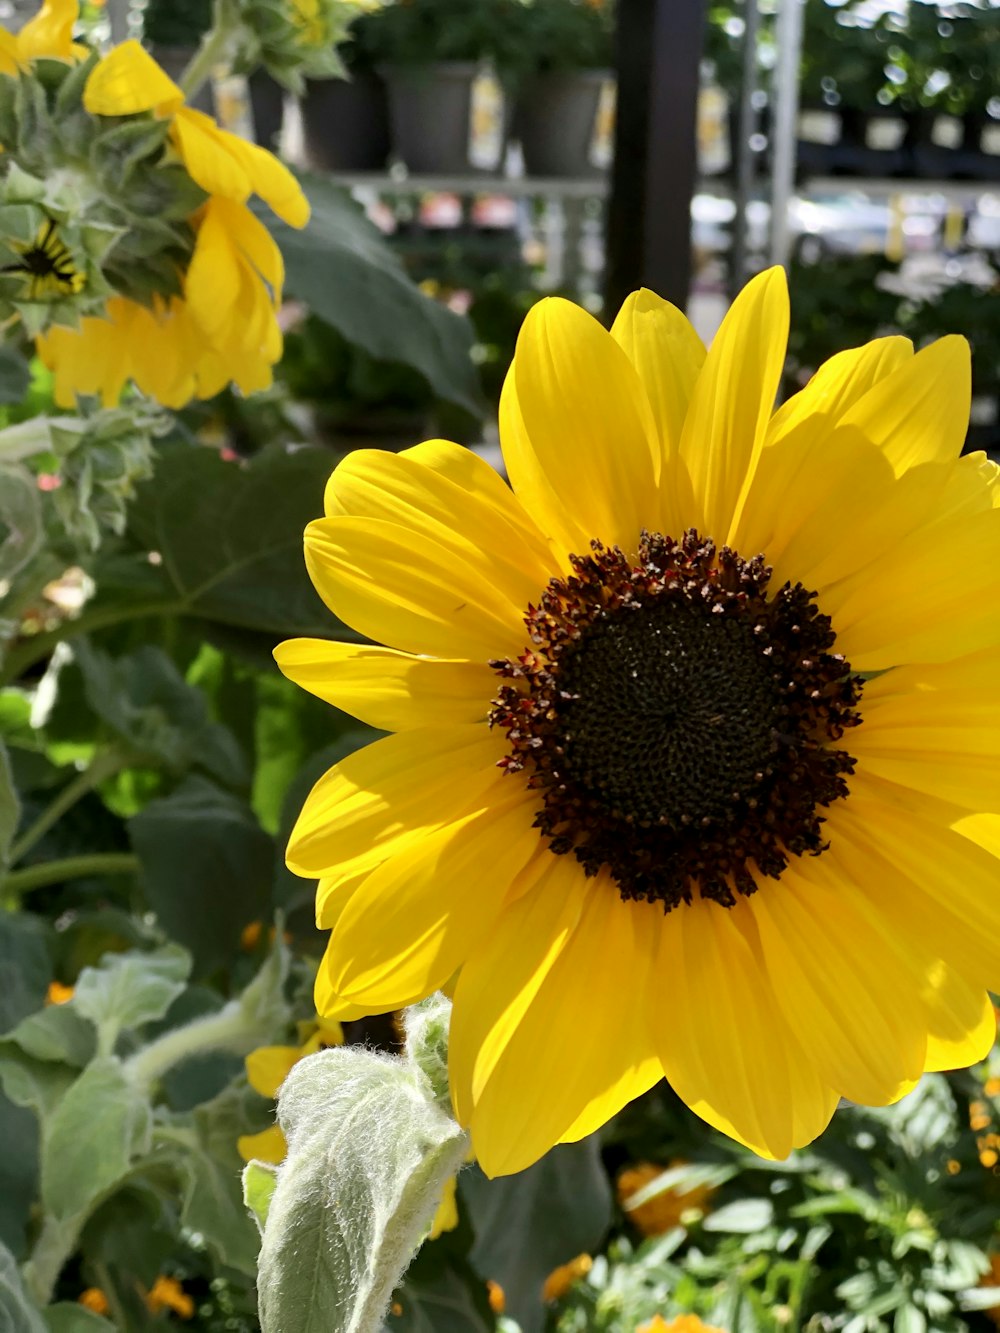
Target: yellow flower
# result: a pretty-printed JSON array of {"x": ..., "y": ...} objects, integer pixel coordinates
[
  {"x": 93, "y": 1298},
  {"x": 57, "y": 993},
  {"x": 267, "y": 1068},
  {"x": 48, "y": 34},
  {"x": 684, "y": 1323},
  {"x": 167, "y": 1293},
  {"x": 559, "y": 1281},
  {"x": 723, "y": 787},
  {"x": 223, "y": 328},
  {"x": 664, "y": 1210}
]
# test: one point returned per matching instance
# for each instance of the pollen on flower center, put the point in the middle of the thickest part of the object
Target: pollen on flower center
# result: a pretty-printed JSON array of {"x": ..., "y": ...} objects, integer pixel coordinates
[{"x": 678, "y": 721}]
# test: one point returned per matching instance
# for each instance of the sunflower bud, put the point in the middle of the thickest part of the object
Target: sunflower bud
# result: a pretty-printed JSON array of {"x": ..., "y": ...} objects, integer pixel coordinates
[{"x": 295, "y": 39}]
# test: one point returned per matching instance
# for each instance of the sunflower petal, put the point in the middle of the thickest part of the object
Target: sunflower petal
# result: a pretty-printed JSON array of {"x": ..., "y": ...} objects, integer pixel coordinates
[
  {"x": 206, "y": 156},
  {"x": 963, "y": 1022},
  {"x": 128, "y": 80},
  {"x": 269, "y": 1066},
  {"x": 416, "y": 918},
  {"x": 407, "y": 589},
  {"x": 567, "y": 952},
  {"x": 668, "y": 355},
  {"x": 389, "y": 690},
  {"x": 722, "y": 1042},
  {"x": 577, "y": 432},
  {"x": 270, "y": 1145},
  {"x": 732, "y": 401},
  {"x": 920, "y": 413}
]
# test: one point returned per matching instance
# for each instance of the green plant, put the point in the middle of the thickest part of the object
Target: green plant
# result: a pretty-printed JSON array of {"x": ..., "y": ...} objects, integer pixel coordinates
[
  {"x": 566, "y": 35},
  {"x": 844, "y": 54},
  {"x": 423, "y": 32},
  {"x": 177, "y": 22}
]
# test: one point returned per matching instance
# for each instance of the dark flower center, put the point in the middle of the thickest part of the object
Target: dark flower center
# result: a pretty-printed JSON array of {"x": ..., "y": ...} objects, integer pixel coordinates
[{"x": 677, "y": 720}]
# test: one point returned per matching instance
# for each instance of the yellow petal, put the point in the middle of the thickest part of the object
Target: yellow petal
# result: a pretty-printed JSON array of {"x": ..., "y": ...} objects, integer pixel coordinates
[
  {"x": 723, "y": 1044},
  {"x": 328, "y": 1003},
  {"x": 395, "y": 789},
  {"x": 416, "y": 918},
  {"x": 446, "y": 1217},
  {"x": 271, "y": 179},
  {"x": 936, "y": 729},
  {"x": 9, "y": 54},
  {"x": 577, "y": 432},
  {"x": 409, "y": 590},
  {"x": 837, "y": 386},
  {"x": 667, "y": 354},
  {"x": 924, "y": 600},
  {"x": 50, "y": 31},
  {"x": 473, "y": 505},
  {"x": 963, "y": 1022},
  {"x": 128, "y": 80},
  {"x": 919, "y": 413},
  {"x": 845, "y": 984},
  {"x": 206, "y": 156},
  {"x": 389, "y": 690},
  {"x": 269, "y": 1066},
  {"x": 531, "y": 1087},
  {"x": 267, "y": 1146},
  {"x": 732, "y": 401}
]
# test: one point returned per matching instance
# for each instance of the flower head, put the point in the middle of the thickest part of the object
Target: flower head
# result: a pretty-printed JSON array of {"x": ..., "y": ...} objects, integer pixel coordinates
[
  {"x": 145, "y": 263},
  {"x": 559, "y": 1281},
  {"x": 684, "y": 1323},
  {"x": 655, "y": 1211},
  {"x": 295, "y": 39},
  {"x": 695, "y": 730},
  {"x": 167, "y": 1293}
]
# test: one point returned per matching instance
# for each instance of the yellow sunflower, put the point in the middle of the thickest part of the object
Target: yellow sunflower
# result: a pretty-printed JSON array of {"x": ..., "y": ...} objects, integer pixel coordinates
[
  {"x": 47, "y": 34},
  {"x": 223, "y": 328},
  {"x": 696, "y": 730}
]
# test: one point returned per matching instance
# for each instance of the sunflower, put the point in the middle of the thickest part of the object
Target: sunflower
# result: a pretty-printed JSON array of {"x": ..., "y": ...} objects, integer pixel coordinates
[
  {"x": 48, "y": 34},
  {"x": 695, "y": 731},
  {"x": 222, "y": 328}
]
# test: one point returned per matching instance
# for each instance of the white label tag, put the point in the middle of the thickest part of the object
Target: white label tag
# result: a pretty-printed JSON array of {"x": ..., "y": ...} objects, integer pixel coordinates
[
  {"x": 819, "y": 127},
  {"x": 486, "y": 122},
  {"x": 602, "y": 145},
  {"x": 885, "y": 133},
  {"x": 946, "y": 131}
]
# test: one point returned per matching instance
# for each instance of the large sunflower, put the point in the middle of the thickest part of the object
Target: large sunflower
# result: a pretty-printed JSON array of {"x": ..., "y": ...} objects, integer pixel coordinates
[{"x": 695, "y": 743}]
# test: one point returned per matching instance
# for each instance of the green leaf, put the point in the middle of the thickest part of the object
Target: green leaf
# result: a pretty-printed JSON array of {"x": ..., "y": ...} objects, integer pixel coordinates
[
  {"x": 57, "y": 1033},
  {"x": 25, "y": 967},
  {"x": 15, "y": 375},
  {"x": 742, "y": 1216},
  {"x": 202, "y": 1151},
  {"x": 10, "y": 806},
  {"x": 19, "y": 1136},
  {"x": 441, "y": 1295},
  {"x": 527, "y": 1225},
  {"x": 342, "y": 268},
  {"x": 130, "y": 989},
  {"x": 259, "y": 1180},
  {"x": 148, "y": 705},
  {"x": 20, "y": 519},
  {"x": 227, "y": 543},
  {"x": 369, "y": 1152},
  {"x": 69, "y": 1317},
  {"x": 92, "y": 1137},
  {"x": 17, "y": 1314},
  {"x": 207, "y": 868}
]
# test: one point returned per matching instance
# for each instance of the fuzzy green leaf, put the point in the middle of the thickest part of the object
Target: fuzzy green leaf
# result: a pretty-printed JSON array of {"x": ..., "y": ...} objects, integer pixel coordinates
[
  {"x": 369, "y": 1154},
  {"x": 69, "y": 1317},
  {"x": 98, "y": 1128},
  {"x": 20, "y": 519},
  {"x": 17, "y": 1314},
  {"x": 259, "y": 1180},
  {"x": 130, "y": 989}
]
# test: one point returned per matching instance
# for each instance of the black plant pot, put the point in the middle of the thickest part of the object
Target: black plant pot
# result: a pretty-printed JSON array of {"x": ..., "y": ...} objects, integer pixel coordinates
[
  {"x": 556, "y": 120},
  {"x": 267, "y": 101},
  {"x": 871, "y": 143},
  {"x": 431, "y": 117},
  {"x": 345, "y": 123}
]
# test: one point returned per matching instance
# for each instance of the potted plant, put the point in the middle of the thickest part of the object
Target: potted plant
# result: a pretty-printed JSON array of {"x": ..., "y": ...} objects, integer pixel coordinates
[
  {"x": 566, "y": 62},
  {"x": 445, "y": 113},
  {"x": 345, "y": 122},
  {"x": 173, "y": 29}
]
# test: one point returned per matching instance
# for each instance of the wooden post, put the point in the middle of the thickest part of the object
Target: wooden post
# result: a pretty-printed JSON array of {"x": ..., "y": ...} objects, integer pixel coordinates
[{"x": 653, "y": 177}]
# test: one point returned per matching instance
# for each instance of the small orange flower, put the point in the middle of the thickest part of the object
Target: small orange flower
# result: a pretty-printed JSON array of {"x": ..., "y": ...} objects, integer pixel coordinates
[
  {"x": 992, "y": 1087},
  {"x": 664, "y": 1210},
  {"x": 684, "y": 1323},
  {"x": 559, "y": 1281},
  {"x": 495, "y": 1296},
  {"x": 57, "y": 993},
  {"x": 94, "y": 1299},
  {"x": 168, "y": 1294}
]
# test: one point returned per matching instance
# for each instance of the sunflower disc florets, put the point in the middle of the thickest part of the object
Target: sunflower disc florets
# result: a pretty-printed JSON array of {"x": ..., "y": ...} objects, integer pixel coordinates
[{"x": 678, "y": 719}]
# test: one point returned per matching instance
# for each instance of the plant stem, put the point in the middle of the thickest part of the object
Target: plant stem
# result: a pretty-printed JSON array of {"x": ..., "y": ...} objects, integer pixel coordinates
[
  {"x": 70, "y": 867},
  {"x": 107, "y": 1284},
  {"x": 103, "y": 765},
  {"x": 213, "y": 51},
  {"x": 229, "y": 1029},
  {"x": 56, "y": 1242}
]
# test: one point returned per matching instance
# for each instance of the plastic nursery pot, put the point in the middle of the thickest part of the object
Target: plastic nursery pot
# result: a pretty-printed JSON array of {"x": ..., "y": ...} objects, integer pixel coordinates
[
  {"x": 267, "y": 101},
  {"x": 345, "y": 123},
  {"x": 174, "y": 60},
  {"x": 434, "y": 122},
  {"x": 556, "y": 120}
]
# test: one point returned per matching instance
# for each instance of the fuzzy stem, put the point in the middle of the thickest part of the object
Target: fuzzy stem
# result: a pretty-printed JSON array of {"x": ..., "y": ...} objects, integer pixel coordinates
[
  {"x": 214, "y": 48},
  {"x": 70, "y": 867},
  {"x": 103, "y": 765},
  {"x": 56, "y": 1242},
  {"x": 228, "y": 1029}
]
